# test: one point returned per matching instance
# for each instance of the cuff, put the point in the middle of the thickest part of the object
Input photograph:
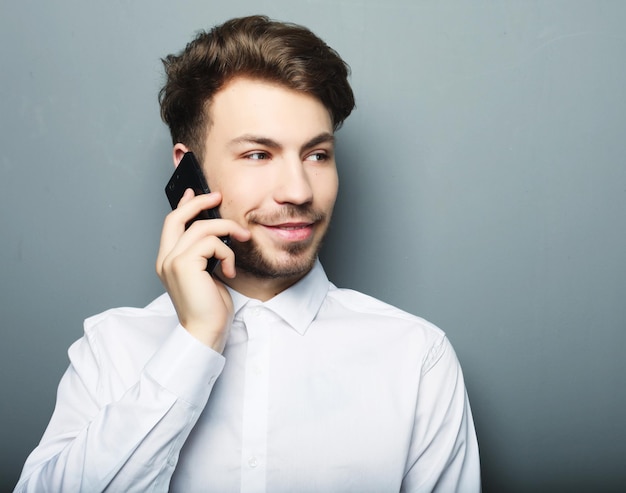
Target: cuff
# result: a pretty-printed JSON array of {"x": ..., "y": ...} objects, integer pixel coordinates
[{"x": 186, "y": 367}]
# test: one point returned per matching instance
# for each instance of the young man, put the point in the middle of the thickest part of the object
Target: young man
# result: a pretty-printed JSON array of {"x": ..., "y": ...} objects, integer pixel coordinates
[{"x": 264, "y": 376}]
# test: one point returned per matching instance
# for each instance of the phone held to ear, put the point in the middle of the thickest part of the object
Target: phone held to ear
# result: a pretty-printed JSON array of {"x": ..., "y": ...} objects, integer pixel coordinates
[{"x": 188, "y": 174}]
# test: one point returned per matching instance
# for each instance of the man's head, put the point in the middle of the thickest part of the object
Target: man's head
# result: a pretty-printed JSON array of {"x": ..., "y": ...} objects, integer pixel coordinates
[
  {"x": 258, "y": 102},
  {"x": 253, "y": 47}
]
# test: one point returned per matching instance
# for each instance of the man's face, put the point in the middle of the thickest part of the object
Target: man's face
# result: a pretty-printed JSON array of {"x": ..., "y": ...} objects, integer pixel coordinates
[{"x": 270, "y": 152}]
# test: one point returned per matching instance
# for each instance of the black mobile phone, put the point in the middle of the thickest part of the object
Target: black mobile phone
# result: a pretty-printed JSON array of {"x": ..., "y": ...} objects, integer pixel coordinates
[{"x": 188, "y": 174}]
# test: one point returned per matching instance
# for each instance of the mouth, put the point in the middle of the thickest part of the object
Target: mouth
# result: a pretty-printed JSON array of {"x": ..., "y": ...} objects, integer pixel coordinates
[{"x": 291, "y": 231}]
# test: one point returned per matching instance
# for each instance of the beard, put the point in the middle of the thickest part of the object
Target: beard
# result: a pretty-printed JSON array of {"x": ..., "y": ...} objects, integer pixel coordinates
[{"x": 301, "y": 256}]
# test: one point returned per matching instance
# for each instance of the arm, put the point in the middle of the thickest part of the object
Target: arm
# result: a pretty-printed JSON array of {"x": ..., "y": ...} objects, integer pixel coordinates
[
  {"x": 443, "y": 456},
  {"x": 104, "y": 435},
  {"x": 114, "y": 431},
  {"x": 202, "y": 304}
]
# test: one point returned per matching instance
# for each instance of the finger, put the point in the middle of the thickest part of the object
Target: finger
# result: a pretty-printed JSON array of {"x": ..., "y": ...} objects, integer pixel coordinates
[
  {"x": 175, "y": 222},
  {"x": 193, "y": 259},
  {"x": 216, "y": 227},
  {"x": 191, "y": 205},
  {"x": 206, "y": 228},
  {"x": 197, "y": 234},
  {"x": 187, "y": 196}
]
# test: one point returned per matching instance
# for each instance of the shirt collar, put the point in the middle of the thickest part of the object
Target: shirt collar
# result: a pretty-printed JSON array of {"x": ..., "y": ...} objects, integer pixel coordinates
[{"x": 297, "y": 305}]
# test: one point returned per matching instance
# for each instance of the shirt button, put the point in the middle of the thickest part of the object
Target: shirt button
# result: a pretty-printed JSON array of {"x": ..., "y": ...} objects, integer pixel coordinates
[{"x": 253, "y": 462}]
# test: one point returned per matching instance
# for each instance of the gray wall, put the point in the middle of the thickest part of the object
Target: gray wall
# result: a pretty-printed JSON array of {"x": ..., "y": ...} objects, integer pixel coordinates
[{"x": 483, "y": 187}]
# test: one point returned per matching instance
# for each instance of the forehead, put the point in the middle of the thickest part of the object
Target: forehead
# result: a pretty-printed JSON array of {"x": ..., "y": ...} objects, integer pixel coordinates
[{"x": 252, "y": 106}]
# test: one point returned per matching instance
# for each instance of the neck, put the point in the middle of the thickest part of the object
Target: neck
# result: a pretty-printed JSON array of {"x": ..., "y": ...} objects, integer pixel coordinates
[{"x": 259, "y": 288}]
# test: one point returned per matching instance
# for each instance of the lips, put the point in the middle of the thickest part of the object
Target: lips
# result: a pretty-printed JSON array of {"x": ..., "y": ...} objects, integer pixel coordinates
[
  {"x": 290, "y": 225},
  {"x": 292, "y": 231}
]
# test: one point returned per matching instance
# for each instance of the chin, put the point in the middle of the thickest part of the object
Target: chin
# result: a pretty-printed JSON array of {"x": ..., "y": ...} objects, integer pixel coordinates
[{"x": 292, "y": 262}]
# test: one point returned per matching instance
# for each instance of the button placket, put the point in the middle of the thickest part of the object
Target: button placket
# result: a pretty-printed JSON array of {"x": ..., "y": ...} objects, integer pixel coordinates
[{"x": 255, "y": 401}]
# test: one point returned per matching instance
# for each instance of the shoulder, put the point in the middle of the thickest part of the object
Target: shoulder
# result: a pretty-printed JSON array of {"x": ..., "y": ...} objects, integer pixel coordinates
[
  {"x": 127, "y": 336},
  {"x": 370, "y": 314},
  {"x": 362, "y": 305},
  {"x": 159, "y": 309},
  {"x": 366, "y": 318},
  {"x": 133, "y": 322}
]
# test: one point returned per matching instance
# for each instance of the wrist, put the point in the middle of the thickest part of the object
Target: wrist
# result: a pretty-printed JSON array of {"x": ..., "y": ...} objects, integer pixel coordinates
[{"x": 213, "y": 338}]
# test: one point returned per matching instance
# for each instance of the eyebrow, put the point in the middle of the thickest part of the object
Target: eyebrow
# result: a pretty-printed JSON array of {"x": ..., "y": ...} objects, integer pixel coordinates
[{"x": 322, "y": 138}]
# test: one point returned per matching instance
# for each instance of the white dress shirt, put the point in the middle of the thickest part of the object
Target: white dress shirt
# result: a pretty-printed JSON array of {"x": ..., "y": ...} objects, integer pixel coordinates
[{"x": 319, "y": 389}]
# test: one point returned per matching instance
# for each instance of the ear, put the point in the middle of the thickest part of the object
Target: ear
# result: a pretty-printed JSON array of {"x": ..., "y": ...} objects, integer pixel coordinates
[{"x": 178, "y": 152}]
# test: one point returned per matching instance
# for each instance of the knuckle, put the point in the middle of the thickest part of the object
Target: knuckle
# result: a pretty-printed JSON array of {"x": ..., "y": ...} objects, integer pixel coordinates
[{"x": 176, "y": 265}]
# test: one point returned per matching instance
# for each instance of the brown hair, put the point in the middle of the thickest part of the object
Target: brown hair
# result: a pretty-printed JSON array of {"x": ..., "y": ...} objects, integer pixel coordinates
[{"x": 256, "y": 47}]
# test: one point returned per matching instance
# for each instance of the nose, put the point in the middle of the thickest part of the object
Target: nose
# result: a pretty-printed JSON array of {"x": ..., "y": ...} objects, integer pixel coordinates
[{"x": 293, "y": 185}]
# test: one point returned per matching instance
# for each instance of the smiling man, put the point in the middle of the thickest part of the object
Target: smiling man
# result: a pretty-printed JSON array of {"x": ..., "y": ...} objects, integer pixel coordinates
[
  {"x": 270, "y": 152},
  {"x": 264, "y": 377}
]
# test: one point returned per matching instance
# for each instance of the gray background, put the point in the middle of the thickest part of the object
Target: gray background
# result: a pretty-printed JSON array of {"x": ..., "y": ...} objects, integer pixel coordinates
[{"x": 483, "y": 187}]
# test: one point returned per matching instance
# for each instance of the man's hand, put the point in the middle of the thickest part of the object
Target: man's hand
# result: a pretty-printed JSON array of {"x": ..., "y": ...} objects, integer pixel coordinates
[{"x": 202, "y": 302}]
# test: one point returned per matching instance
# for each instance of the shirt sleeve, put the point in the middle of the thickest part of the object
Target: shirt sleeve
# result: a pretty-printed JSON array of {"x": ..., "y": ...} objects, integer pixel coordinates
[
  {"x": 443, "y": 455},
  {"x": 108, "y": 435}
]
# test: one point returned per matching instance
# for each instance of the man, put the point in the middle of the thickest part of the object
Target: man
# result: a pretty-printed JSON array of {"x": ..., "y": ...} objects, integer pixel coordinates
[{"x": 264, "y": 376}]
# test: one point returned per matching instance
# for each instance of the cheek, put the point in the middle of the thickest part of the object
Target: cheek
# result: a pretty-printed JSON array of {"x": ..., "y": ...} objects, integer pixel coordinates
[
  {"x": 231, "y": 207},
  {"x": 327, "y": 188},
  {"x": 239, "y": 196}
]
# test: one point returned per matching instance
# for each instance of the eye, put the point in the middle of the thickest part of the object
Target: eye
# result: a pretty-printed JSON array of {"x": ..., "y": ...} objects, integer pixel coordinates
[
  {"x": 257, "y": 156},
  {"x": 317, "y": 156}
]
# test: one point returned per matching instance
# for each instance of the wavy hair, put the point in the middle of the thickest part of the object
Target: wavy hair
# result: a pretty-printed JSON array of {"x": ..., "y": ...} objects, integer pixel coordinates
[{"x": 255, "y": 47}]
